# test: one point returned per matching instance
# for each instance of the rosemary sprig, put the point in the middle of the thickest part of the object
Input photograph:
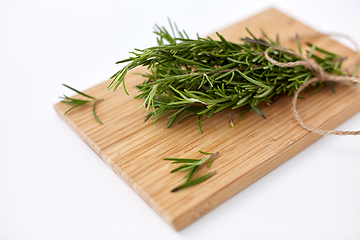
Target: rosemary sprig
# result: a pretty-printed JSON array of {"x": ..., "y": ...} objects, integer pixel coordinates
[
  {"x": 79, "y": 102},
  {"x": 193, "y": 77},
  {"x": 192, "y": 165}
]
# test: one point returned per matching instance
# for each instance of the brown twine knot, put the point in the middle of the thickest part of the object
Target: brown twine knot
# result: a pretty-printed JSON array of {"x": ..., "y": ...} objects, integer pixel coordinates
[{"x": 320, "y": 76}]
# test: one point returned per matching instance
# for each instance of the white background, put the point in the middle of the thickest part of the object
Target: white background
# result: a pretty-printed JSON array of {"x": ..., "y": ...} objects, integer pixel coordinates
[{"x": 53, "y": 186}]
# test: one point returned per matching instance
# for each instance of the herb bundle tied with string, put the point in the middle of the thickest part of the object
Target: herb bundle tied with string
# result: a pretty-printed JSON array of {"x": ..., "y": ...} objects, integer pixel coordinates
[{"x": 200, "y": 77}]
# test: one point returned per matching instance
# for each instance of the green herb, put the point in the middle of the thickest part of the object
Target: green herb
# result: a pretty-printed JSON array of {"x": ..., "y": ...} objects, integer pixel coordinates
[
  {"x": 231, "y": 122},
  {"x": 191, "y": 165},
  {"x": 79, "y": 102},
  {"x": 193, "y": 77},
  {"x": 194, "y": 181}
]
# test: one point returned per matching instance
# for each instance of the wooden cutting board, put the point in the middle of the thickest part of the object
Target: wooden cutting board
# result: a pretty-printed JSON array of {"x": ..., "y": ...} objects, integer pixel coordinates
[{"x": 134, "y": 150}]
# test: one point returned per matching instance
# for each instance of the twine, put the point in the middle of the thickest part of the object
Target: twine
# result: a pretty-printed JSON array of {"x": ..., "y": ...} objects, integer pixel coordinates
[{"x": 320, "y": 76}]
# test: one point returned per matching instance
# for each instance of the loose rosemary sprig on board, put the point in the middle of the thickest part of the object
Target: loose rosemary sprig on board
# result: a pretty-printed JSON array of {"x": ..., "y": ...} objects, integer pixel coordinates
[
  {"x": 194, "y": 77},
  {"x": 192, "y": 165},
  {"x": 79, "y": 102}
]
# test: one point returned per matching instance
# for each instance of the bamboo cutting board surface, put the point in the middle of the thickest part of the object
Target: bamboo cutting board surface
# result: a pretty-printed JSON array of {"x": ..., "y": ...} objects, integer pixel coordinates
[{"x": 134, "y": 150}]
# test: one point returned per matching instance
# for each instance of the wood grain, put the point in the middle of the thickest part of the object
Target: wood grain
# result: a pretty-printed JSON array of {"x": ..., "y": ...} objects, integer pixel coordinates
[{"x": 255, "y": 146}]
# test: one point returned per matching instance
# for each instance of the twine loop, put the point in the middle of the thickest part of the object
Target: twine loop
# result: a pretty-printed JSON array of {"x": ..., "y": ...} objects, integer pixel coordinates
[{"x": 319, "y": 76}]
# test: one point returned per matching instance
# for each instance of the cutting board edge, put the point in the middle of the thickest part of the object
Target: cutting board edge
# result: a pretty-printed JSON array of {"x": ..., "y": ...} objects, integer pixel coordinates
[{"x": 116, "y": 169}]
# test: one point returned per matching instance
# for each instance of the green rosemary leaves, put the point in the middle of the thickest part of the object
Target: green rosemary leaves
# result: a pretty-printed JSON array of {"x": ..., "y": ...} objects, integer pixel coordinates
[
  {"x": 194, "y": 181},
  {"x": 191, "y": 165},
  {"x": 195, "y": 77},
  {"x": 79, "y": 102}
]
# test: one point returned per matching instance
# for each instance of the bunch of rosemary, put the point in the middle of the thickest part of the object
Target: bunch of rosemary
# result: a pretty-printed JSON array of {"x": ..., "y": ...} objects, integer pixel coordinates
[{"x": 194, "y": 77}]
